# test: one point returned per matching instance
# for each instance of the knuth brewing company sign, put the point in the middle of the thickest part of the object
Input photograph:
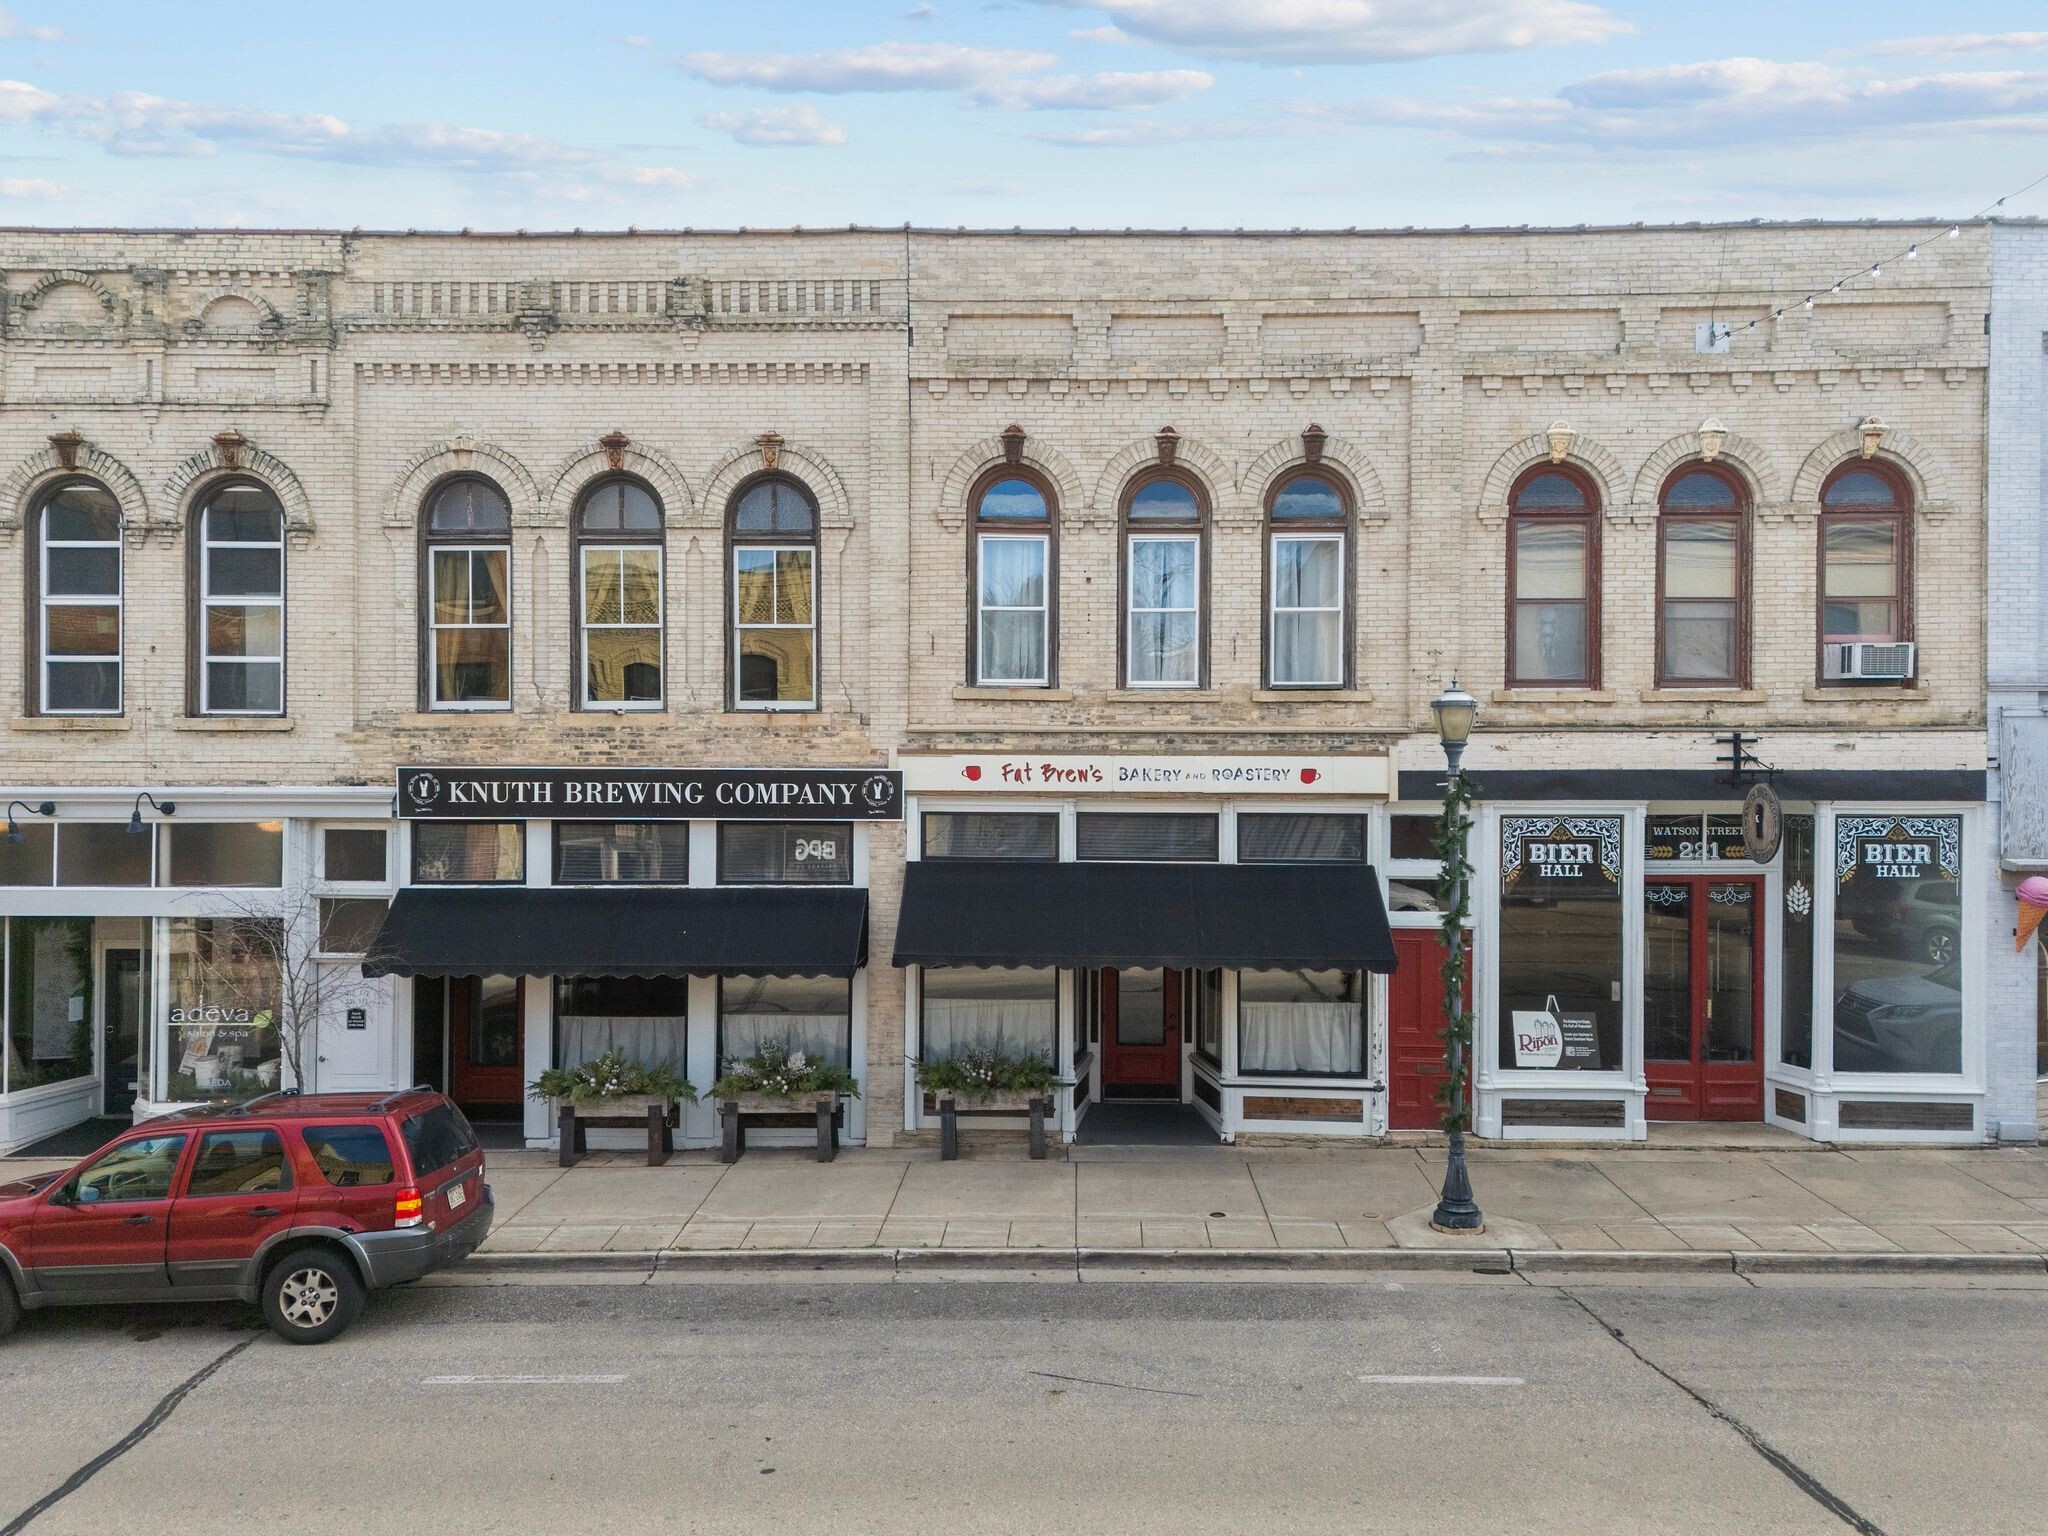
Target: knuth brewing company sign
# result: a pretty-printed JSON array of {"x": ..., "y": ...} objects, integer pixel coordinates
[{"x": 652, "y": 794}]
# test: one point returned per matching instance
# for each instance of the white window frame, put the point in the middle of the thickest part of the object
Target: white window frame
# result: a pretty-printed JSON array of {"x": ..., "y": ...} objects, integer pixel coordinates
[
  {"x": 435, "y": 626},
  {"x": 207, "y": 600},
  {"x": 1193, "y": 539},
  {"x": 739, "y": 628},
  {"x": 659, "y": 626},
  {"x": 1043, "y": 609},
  {"x": 1274, "y": 610},
  {"x": 45, "y": 602},
  {"x": 326, "y": 884}
]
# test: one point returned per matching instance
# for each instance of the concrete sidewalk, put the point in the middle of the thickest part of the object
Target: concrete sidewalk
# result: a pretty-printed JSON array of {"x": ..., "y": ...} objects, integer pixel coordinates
[{"x": 1811, "y": 1201}]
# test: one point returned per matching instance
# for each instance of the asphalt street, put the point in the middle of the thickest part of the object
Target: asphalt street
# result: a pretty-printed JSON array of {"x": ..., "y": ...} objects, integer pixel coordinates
[{"x": 1396, "y": 1405}]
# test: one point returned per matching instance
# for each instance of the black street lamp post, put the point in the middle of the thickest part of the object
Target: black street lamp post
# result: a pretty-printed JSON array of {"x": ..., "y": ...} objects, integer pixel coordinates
[{"x": 1455, "y": 709}]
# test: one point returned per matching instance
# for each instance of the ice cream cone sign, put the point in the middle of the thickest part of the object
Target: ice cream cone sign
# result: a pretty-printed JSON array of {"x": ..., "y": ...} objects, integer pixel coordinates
[{"x": 2033, "y": 895}]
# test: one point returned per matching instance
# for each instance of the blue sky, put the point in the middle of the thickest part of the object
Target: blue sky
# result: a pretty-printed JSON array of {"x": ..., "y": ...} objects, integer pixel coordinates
[{"x": 1255, "y": 113}]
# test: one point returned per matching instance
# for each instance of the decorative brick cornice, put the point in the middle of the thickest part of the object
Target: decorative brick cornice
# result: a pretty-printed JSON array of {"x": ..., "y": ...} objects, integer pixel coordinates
[
  {"x": 464, "y": 453},
  {"x": 232, "y": 453},
  {"x": 80, "y": 456}
]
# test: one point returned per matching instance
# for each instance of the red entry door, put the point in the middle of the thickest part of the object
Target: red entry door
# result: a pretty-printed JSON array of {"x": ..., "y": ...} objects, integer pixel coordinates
[
  {"x": 1141, "y": 1012},
  {"x": 1703, "y": 997},
  {"x": 486, "y": 1040},
  {"x": 1415, "y": 1024}
]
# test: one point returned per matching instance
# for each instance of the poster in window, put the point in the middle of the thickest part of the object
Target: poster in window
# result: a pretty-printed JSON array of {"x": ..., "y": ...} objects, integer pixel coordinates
[{"x": 1575, "y": 856}]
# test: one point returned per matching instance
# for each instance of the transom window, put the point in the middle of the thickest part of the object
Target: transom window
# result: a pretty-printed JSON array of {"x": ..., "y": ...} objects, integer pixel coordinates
[
  {"x": 240, "y": 641},
  {"x": 75, "y": 586},
  {"x": 1865, "y": 556},
  {"x": 619, "y": 596},
  {"x": 1307, "y": 578},
  {"x": 1012, "y": 641},
  {"x": 1703, "y": 557},
  {"x": 774, "y": 532},
  {"x": 1553, "y": 585},
  {"x": 1163, "y": 527},
  {"x": 1146, "y": 836},
  {"x": 468, "y": 579}
]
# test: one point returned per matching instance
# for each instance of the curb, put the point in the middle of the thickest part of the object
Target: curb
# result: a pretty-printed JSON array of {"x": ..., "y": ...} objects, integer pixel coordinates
[{"x": 936, "y": 1263}]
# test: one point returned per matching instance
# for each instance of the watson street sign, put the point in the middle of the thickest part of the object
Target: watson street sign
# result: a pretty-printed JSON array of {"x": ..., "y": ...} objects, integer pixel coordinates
[{"x": 652, "y": 794}]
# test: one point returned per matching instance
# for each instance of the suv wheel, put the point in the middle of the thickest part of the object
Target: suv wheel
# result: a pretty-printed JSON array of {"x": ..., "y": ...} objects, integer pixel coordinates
[
  {"x": 10, "y": 1307},
  {"x": 310, "y": 1295},
  {"x": 1939, "y": 945}
]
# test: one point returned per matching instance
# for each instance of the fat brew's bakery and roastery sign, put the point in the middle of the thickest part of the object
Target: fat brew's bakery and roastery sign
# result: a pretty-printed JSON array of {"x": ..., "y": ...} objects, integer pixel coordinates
[
  {"x": 652, "y": 794},
  {"x": 1066, "y": 773},
  {"x": 1570, "y": 856}
]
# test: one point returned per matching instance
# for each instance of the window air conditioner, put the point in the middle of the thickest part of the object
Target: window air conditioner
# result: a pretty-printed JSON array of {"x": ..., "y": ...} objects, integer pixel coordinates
[{"x": 1866, "y": 661}]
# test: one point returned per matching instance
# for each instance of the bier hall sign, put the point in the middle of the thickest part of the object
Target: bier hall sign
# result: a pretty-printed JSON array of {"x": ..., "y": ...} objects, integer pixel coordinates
[{"x": 651, "y": 794}]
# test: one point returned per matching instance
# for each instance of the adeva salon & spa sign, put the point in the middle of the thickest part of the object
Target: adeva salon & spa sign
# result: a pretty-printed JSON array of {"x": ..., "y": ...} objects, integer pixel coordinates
[{"x": 1012, "y": 773}]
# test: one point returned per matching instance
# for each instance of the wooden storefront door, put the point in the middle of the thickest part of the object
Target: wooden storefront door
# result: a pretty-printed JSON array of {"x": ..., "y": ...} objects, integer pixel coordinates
[
  {"x": 1703, "y": 997},
  {"x": 1415, "y": 1023},
  {"x": 1141, "y": 1033},
  {"x": 486, "y": 1040}
]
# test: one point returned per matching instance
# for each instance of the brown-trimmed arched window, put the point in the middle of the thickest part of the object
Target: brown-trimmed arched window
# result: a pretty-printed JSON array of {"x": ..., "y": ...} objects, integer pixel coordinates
[
  {"x": 74, "y": 592},
  {"x": 1702, "y": 579},
  {"x": 1165, "y": 576},
  {"x": 466, "y": 596},
  {"x": 1553, "y": 580},
  {"x": 1866, "y": 555},
  {"x": 1011, "y": 638},
  {"x": 773, "y": 529},
  {"x": 238, "y": 602},
  {"x": 618, "y": 596},
  {"x": 1308, "y": 579}
]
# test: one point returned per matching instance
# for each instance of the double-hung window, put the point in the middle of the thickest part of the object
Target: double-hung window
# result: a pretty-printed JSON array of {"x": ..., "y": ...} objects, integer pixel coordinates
[
  {"x": 240, "y": 642},
  {"x": 619, "y": 565},
  {"x": 468, "y": 597},
  {"x": 774, "y": 543},
  {"x": 1553, "y": 582},
  {"x": 76, "y": 588},
  {"x": 1013, "y": 584},
  {"x": 1163, "y": 582},
  {"x": 1702, "y": 636},
  {"x": 1865, "y": 556},
  {"x": 1308, "y": 526}
]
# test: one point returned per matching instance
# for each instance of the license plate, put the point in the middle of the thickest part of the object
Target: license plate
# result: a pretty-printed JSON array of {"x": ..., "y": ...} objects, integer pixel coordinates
[{"x": 456, "y": 1197}]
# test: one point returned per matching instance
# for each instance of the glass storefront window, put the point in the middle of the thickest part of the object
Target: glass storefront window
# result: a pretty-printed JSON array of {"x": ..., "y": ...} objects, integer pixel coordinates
[
  {"x": 249, "y": 853},
  {"x": 1146, "y": 835},
  {"x": 101, "y": 853},
  {"x": 1015, "y": 1012},
  {"x": 1301, "y": 1021},
  {"x": 1560, "y": 962},
  {"x": 812, "y": 1014},
  {"x": 1795, "y": 968},
  {"x": 1209, "y": 1017},
  {"x": 1898, "y": 944},
  {"x": 469, "y": 852},
  {"x": 1265, "y": 837},
  {"x": 225, "y": 990},
  {"x": 785, "y": 853},
  {"x": 622, "y": 853},
  {"x": 32, "y": 860},
  {"x": 349, "y": 924},
  {"x": 353, "y": 855},
  {"x": 642, "y": 1017},
  {"x": 50, "y": 1009},
  {"x": 991, "y": 835}
]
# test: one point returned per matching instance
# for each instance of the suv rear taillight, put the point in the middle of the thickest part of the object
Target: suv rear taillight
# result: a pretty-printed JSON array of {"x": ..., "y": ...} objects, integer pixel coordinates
[{"x": 409, "y": 1210}]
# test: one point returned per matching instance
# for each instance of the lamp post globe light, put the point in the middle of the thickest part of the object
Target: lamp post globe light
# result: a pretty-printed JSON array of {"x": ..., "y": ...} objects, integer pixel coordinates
[{"x": 1455, "y": 710}]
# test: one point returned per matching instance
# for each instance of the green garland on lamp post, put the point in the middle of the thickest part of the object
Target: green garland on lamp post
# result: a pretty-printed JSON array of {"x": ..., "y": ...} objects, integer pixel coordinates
[{"x": 1455, "y": 710}]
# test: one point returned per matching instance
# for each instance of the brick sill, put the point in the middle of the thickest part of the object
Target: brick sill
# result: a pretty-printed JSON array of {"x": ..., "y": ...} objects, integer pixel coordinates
[
  {"x": 966, "y": 693},
  {"x": 1311, "y": 695},
  {"x": 1882, "y": 694},
  {"x": 1704, "y": 696},
  {"x": 1553, "y": 696},
  {"x": 1165, "y": 696},
  {"x": 235, "y": 726},
  {"x": 66, "y": 723}
]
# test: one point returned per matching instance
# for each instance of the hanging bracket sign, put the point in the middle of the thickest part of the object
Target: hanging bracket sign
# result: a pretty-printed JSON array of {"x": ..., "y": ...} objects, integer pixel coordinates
[{"x": 1763, "y": 823}]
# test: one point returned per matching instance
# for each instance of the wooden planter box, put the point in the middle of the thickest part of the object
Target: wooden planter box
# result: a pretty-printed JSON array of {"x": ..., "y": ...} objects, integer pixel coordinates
[
  {"x": 773, "y": 1109},
  {"x": 1005, "y": 1101},
  {"x": 628, "y": 1112},
  {"x": 1010, "y": 1101}
]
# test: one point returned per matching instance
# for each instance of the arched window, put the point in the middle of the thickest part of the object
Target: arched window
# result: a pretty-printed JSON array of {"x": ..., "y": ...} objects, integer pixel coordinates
[
  {"x": 773, "y": 525},
  {"x": 1553, "y": 581},
  {"x": 1011, "y": 639},
  {"x": 619, "y": 596},
  {"x": 467, "y": 596},
  {"x": 1308, "y": 577},
  {"x": 75, "y": 592},
  {"x": 1702, "y": 580},
  {"x": 1865, "y": 556},
  {"x": 1165, "y": 519},
  {"x": 238, "y": 636}
]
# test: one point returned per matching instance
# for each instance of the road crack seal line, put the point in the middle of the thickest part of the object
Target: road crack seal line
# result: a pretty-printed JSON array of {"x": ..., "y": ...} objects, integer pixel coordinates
[
  {"x": 1797, "y": 1475},
  {"x": 113, "y": 1453},
  {"x": 1085, "y": 1381}
]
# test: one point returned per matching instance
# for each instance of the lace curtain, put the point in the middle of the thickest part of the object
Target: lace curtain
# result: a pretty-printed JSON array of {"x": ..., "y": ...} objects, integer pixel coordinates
[
  {"x": 1014, "y": 1026},
  {"x": 653, "y": 1042},
  {"x": 1301, "y": 1037},
  {"x": 819, "y": 1035}
]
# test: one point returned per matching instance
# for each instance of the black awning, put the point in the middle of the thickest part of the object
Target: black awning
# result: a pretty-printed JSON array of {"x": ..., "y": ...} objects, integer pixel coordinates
[
  {"x": 623, "y": 931},
  {"x": 1237, "y": 916}
]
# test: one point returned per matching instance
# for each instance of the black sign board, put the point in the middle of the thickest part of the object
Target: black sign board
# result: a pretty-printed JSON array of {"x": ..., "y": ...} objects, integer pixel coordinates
[
  {"x": 1895, "y": 857},
  {"x": 1581, "y": 1040},
  {"x": 1560, "y": 865},
  {"x": 651, "y": 794},
  {"x": 359, "y": 1018},
  {"x": 1691, "y": 838}
]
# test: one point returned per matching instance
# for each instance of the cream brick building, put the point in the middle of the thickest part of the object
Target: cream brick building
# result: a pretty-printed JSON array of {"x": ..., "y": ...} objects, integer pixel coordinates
[{"x": 890, "y": 377}]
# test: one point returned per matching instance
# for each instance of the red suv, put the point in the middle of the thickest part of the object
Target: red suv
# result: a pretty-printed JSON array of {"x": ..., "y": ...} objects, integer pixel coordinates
[{"x": 303, "y": 1203}]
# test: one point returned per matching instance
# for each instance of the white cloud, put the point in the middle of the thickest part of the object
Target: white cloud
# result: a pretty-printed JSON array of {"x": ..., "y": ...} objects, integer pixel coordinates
[
  {"x": 1116, "y": 36},
  {"x": 1953, "y": 43},
  {"x": 635, "y": 40},
  {"x": 875, "y": 67},
  {"x": 1153, "y": 134},
  {"x": 1354, "y": 31},
  {"x": 921, "y": 13},
  {"x": 33, "y": 189},
  {"x": 12, "y": 25},
  {"x": 653, "y": 176},
  {"x": 775, "y": 127},
  {"x": 1102, "y": 92}
]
